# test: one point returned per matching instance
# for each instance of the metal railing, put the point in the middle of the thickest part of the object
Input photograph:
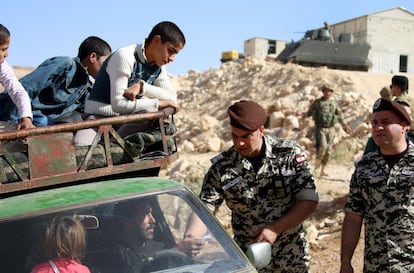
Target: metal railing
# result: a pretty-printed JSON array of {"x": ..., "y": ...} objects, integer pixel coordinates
[{"x": 52, "y": 156}]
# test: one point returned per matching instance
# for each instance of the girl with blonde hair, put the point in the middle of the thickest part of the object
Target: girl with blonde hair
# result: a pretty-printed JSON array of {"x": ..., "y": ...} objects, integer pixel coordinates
[{"x": 65, "y": 243}]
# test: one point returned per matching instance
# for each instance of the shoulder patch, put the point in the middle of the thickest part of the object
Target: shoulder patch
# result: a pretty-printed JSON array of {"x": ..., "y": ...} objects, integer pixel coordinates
[
  {"x": 300, "y": 158},
  {"x": 283, "y": 145},
  {"x": 287, "y": 143},
  {"x": 217, "y": 158},
  {"x": 366, "y": 159}
]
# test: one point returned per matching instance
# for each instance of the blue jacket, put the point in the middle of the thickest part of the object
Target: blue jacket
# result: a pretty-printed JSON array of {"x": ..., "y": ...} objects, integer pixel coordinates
[{"x": 57, "y": 88}]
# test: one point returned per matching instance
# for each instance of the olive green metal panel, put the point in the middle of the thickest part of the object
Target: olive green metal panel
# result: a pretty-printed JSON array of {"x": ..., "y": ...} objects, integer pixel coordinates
[
  {"x": 80, "y": 194},
  {"x": 51, "y": 154}
]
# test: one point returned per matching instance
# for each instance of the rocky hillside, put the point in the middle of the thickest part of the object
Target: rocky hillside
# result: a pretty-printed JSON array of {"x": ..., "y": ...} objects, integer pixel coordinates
[{"x": 285, "y": 90}]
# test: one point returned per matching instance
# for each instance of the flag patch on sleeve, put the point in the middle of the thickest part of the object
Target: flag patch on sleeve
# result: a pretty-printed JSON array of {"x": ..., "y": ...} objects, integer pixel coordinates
[{"x": 300, "y": 158}]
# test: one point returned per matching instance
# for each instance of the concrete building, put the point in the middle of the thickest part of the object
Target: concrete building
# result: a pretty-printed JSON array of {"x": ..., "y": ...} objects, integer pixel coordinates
[
  {"x": 390, "y": 34},
  {"x": 263, "y": 48}
]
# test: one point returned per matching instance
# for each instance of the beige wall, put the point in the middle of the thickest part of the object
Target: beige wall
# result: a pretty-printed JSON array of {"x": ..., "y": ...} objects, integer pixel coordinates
[
  {"x": 390, "y": 34},
  {"x": 258, "y": 47}
]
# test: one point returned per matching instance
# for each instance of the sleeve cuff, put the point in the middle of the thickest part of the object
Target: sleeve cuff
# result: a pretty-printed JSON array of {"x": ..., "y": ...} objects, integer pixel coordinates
[{"x": 308, "y": 194}]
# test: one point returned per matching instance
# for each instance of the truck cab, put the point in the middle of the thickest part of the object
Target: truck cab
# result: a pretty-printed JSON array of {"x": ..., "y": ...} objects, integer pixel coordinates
[{"x": 52, "y": 179}]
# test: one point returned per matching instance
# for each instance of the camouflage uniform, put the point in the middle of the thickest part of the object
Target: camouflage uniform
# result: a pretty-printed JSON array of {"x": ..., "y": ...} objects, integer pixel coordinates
[
  {"x": 372, "y": 146},
  {"x": 384, "y": 197},
  {"x": 257, "y": 199},
  {"x": 325, "y": 113},
  {"x": 410, "y": 101}
]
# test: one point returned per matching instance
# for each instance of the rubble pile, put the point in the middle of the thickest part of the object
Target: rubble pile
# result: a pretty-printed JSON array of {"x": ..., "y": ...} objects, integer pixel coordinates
[{"x": 285, "y": 90}]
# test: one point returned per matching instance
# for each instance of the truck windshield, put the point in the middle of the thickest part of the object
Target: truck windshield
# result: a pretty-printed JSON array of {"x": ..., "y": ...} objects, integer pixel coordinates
[{"x": 134, "y": 234}]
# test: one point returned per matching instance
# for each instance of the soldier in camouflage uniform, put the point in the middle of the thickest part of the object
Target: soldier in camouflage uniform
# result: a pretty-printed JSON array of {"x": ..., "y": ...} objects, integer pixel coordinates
[
  {"x": 269, "y": 187},
  {"x": 326, "y": 113},
  {"x": 399, "y": 89},
  {"x": 399, "y": 93},
  {"x": 382, "y": 196}
]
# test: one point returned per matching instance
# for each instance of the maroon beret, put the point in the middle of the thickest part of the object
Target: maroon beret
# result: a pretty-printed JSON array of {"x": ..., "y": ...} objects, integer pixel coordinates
[
  {"x": 247, "y": 115},
  {"x": 393, "y": 106}
]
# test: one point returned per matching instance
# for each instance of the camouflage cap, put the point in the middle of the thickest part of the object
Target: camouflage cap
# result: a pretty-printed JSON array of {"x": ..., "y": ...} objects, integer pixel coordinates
[
  {"x": 393, "y": 106},
  {"x": 247, "y": 115},
  {"x": 327, "y": 86}
]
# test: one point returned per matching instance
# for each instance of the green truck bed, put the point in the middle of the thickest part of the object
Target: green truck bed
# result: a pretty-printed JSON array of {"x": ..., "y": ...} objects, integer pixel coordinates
[{"x": 49, "y": 157}]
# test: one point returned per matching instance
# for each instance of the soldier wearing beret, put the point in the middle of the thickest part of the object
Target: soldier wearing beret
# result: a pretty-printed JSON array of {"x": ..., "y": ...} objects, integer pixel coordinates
[
  {"x": 269, "y": 187},
  {"x": 399, "y": 93},
  {"x": 399, "y": 85},
  {"x": 326, "y": 113},
  {"x": 399, "y": 89},
  {"x": 381, "y": 196}
]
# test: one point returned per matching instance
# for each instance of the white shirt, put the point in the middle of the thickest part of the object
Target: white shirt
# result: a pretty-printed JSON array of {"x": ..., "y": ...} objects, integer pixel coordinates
[{"x": 15, "y": 90}]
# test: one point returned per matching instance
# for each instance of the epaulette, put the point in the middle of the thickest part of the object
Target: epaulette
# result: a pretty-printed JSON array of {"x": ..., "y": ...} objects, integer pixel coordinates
[
  {"x": 283, "y": 145},
  {"x": 287, "y": 143},
  {"x": 371, "y": 156},
  {"x": 217, "y": 158}
]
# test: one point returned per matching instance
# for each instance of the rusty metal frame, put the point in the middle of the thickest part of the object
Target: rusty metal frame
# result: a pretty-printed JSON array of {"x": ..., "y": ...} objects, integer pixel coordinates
[{"x": 105, "y": 132}]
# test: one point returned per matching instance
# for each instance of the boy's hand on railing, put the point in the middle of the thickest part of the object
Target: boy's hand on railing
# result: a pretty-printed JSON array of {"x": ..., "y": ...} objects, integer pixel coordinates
[
  {"x": 25, "y": 123},
  {"x": 168, "y": 103}
]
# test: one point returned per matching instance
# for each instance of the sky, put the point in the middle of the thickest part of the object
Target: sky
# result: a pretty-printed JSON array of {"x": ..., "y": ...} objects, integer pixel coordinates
[{"x": 46, "y": 28}]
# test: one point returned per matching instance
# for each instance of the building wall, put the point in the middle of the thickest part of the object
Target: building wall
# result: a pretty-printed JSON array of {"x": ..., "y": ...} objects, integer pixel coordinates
[
  {"x": 390, "y": 34},
  {"x": 256, "y": 47},
  {"x": 259, "y": 47},
  {"x": 280, "y": 46},
  {"x": 358, "y": 27}
]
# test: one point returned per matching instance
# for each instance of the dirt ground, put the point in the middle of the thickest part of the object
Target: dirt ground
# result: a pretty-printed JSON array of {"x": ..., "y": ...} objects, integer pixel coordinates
[
  {"x": 333, "y": 190},
  {"x": 325, "y": 258}
]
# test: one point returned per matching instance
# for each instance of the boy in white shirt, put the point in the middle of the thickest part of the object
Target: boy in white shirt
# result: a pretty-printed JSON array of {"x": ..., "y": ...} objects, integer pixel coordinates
[{"x": 10, "y": 82}]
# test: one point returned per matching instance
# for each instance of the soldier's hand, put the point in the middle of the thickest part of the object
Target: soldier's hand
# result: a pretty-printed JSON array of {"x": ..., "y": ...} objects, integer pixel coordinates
[
  {"x": 191, "y": 246},
  {"x": 265, "y": 235},
  {"x": 346, "y": 268}
]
